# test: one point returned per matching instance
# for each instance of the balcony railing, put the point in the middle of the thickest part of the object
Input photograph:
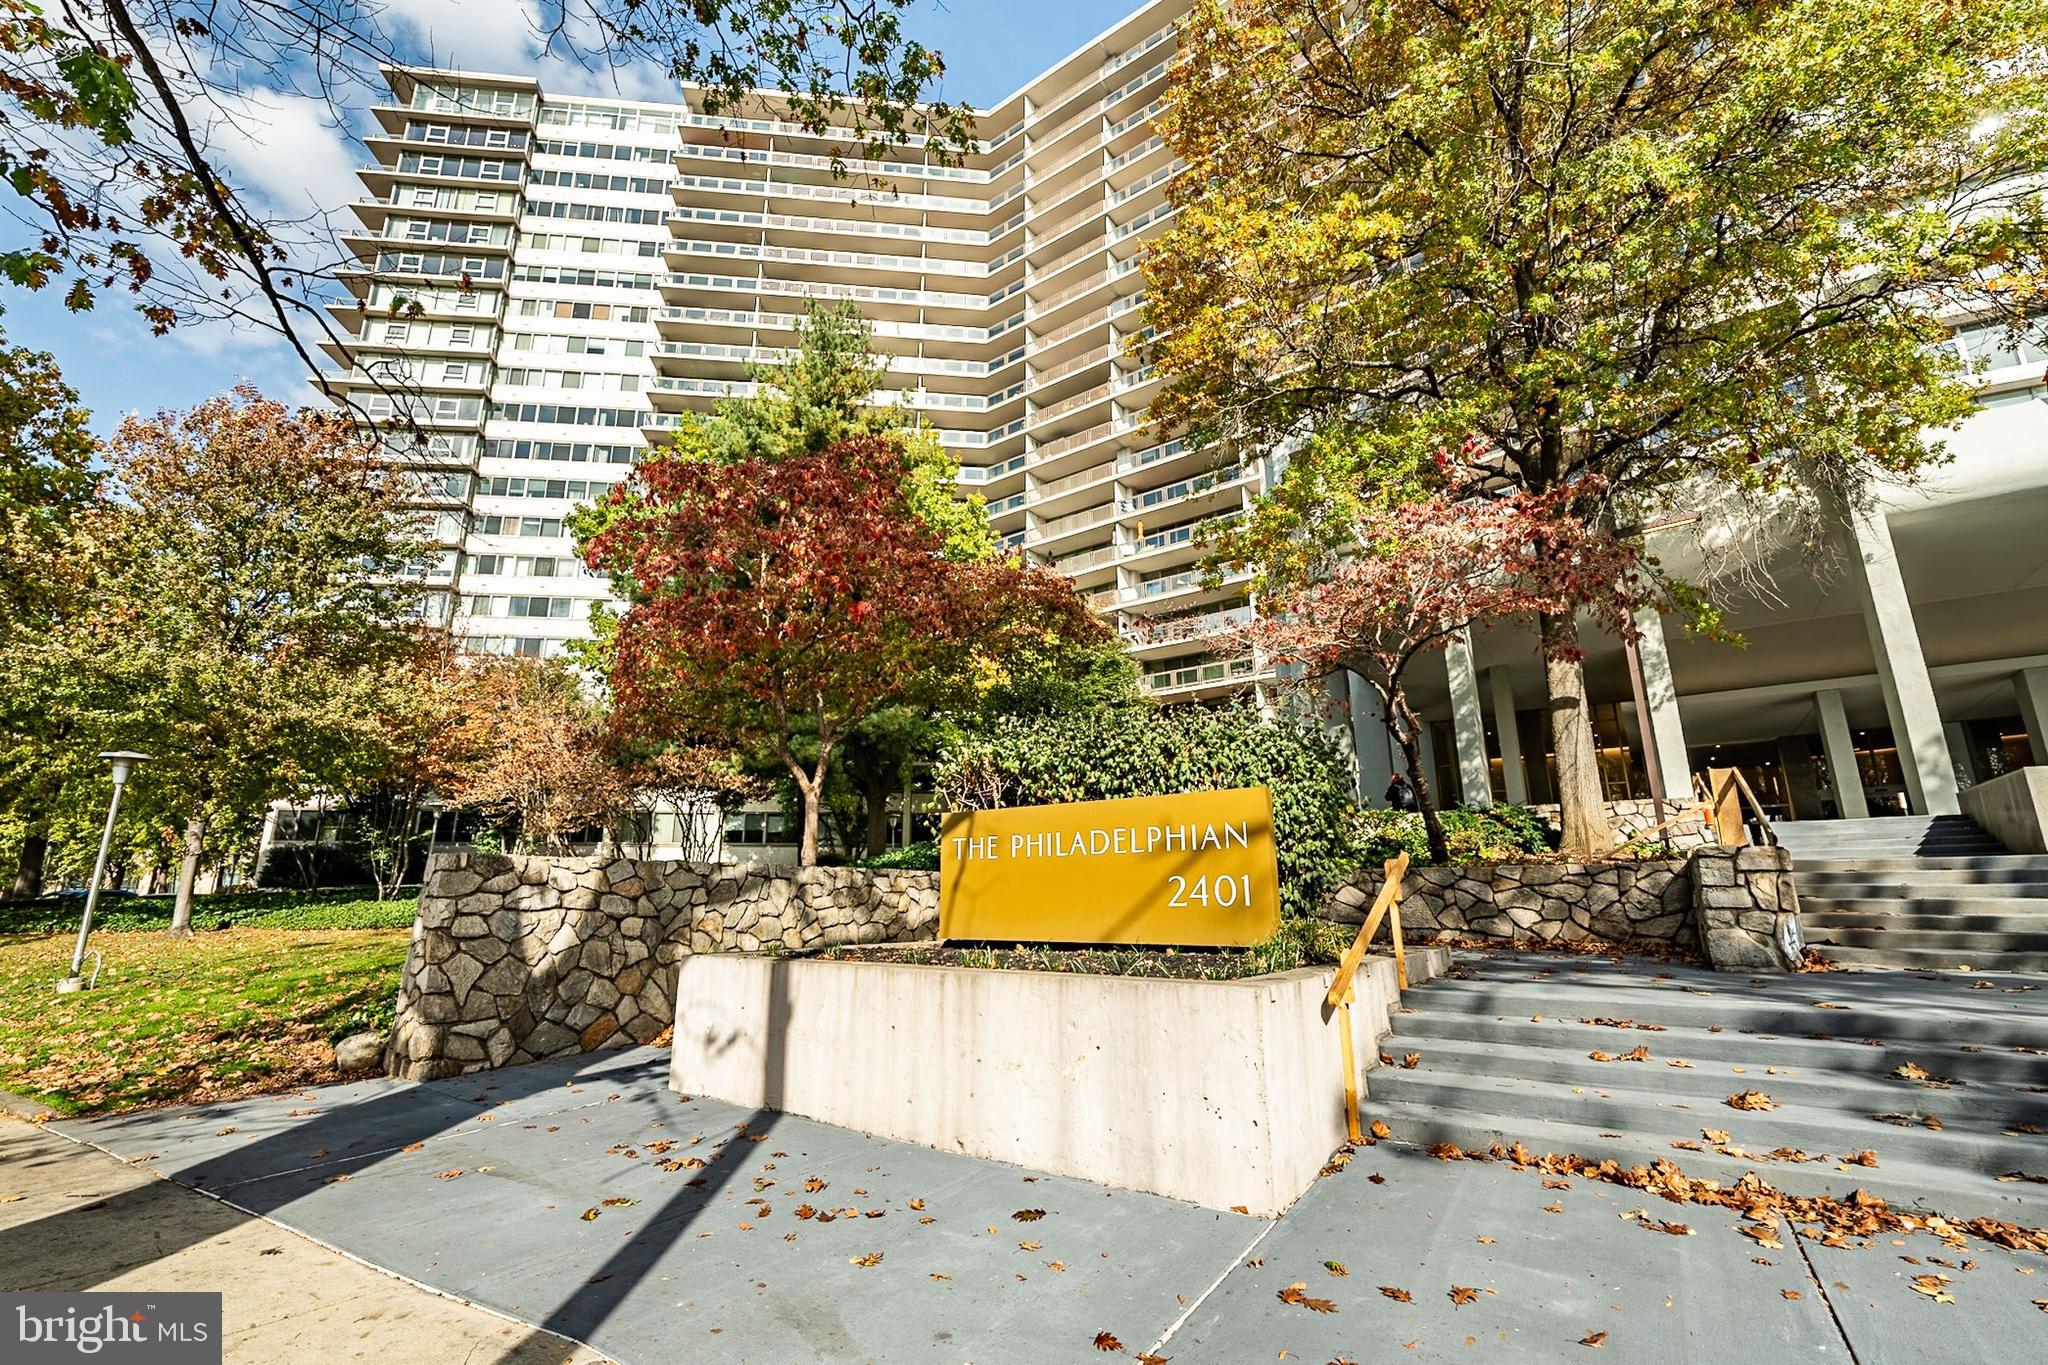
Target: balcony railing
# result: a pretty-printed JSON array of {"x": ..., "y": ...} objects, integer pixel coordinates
[
  {"x": 1202, "y": 675},
  {"x": 1140, "y": 631},
  {"x": 1052, "y": 488}
]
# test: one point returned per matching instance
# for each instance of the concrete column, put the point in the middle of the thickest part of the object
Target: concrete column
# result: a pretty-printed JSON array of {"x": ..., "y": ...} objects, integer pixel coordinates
[
  {"x": 1371, "y": 742},
  {"x": 1840, "y": 747},
  {"x": 2032, "y": 685},
  {"x": 1503, "y": 690},
  {"x": 1468, "y": 722},
  {"x": 1958, "y": 742},
  {"x": 1902, "y": 668},
  {"x": 1665, "y": 726}
]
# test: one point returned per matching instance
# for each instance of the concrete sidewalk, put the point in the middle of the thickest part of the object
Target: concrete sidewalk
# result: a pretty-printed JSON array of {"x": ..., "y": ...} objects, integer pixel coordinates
[
  {"x": 102, "y": 1224},
  {"x": 582, "y": 1197}
]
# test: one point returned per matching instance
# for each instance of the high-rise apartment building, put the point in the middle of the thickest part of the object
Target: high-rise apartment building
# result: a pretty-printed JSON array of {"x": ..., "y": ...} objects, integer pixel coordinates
[{"x": 549, "y": 283}]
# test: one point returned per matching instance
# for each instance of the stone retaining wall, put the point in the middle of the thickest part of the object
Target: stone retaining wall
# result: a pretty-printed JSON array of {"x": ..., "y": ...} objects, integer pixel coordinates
[
  {"x": 1726, "y": 904},
  {"x": 1687, "y": 828},
  {"x": 515, "y": 958}
]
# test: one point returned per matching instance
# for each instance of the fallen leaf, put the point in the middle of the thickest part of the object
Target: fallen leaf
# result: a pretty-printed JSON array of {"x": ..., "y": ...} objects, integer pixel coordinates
[
  {"x": 937, "y": 1276},
  {"x": 1295, "y": 1294},
  {"x": 1790, "y": 1294},
  {"x": 412, "y": 1146},
  {"x": 1717, "y": 1136},
  {"x": 589, "y": 1215},
  {"x": 872, "y": 1258},
  {"x": 1411, "y": 1061},
  {"x": 1337, "y": 1268},
  {"x": 813, "y": 1185},
  {"x": 1106, "y": 1341},
  {"x": 1239, "y": 1208},
  {"x": 1593, "y": 1339},
  {"x": 448, "y": 1175},
  {"x": 1934, "y": 1287},
  {"x": 1867, "y": 1157},
  {"x": 1379, "y": 1129},
  {"x": 1486, "y": 1241},
  {"x": 917, "y": 1206},
  {"x": 1397, "y": 1295},
  {"x": 1463, "y": 1294},
  {"x": 1028, "y": 1215},
  {"x": 1029, "y": 1246},
  {"x": 1750, "y": 1099}
]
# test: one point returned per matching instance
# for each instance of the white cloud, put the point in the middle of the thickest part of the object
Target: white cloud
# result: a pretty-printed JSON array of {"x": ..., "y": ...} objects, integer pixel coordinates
[
  {"x": 479, "y": 35},
  {"x": 286, "y": 148}
]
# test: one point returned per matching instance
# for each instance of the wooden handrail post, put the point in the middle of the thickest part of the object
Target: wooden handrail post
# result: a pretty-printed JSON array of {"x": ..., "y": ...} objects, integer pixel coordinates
[{"x": 1343, "y": 988}]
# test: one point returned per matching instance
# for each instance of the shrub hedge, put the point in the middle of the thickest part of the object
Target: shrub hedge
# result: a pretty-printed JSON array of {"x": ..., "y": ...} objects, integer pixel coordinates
[
  {"x": 1495, "y": 834},
  {"x": 1137, "y": 750}
]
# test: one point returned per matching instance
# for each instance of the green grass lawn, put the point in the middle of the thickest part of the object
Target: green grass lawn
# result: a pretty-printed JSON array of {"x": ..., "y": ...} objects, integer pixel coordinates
[{"x": 233, "y": 1011}]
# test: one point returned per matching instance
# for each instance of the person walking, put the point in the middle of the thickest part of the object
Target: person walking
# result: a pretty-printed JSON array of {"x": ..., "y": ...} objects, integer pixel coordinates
[{"x": 1400, "y": 795}]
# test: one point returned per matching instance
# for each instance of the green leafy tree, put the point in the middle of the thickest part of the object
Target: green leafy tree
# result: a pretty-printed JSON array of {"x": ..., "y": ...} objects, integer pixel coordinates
[
  {"x": 1644, "y": 253},
  {"x": 45, "y": 481},
  {"x": 781, "y": 604},
  {"x": 243, "y": 588}
]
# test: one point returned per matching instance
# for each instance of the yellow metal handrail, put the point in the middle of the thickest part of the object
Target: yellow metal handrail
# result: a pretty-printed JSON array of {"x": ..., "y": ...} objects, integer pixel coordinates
[{"x": 1342, "y": 991}]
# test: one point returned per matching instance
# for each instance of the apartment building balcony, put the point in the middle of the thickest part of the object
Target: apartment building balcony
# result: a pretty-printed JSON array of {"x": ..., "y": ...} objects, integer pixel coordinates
[
  {"x": 1059, "y": 535},
  {"x": 1053, "y": 348},
  {"x": 894, "y": 304},
  {"x": 1166, "y": 462},
  {"x": 1091, "y": 568},
  {"x": 830, "y": 140},
  {"x": 502, "y": 206},
  {"x": 1093, "y": 290},
  {"x": 1162, "y": 638},
  {"x": 1213, "y": 678},
  {"x": 1180, "y": 590},
  {"x": 382, "y": 181},
  {"x": 1175, "y": 545},
  {"x": 1000, "y": 480},
  {"x": 1054, "y": 460},
  {"x": 1071, "y": 413},
  {"x": 1049, "y": 387},
  {"x": 818, "y": 168},
  {"x": 1197, "y": 494}
]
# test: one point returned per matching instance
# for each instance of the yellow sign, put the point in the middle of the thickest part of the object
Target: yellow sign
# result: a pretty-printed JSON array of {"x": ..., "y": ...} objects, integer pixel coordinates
[{"x": 1195, "y": 869}]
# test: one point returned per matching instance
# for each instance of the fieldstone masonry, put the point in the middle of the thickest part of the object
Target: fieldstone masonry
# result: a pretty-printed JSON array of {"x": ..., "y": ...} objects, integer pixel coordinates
[
  {"x": 1734, "y": 906},
  {"x": 515, "y": 958}
]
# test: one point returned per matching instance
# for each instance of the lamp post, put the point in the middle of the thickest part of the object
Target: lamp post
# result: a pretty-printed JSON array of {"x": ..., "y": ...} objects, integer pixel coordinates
[{"x": 123, "y": 764}]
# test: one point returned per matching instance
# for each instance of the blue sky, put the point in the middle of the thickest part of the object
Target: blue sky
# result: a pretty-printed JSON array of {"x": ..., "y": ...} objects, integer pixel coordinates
[{"x": 294, "y": 160}]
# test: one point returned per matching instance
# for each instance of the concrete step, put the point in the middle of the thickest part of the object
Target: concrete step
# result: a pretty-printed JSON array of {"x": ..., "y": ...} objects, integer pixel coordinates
[
  {"x": 2008, "y": 907},
  {"x": 1820, "y": 1112},
  {"x": 1820, "y": 922},
  {"x": 1928, "y": 846},
  {"x": 1964, "y": 946},
  {"x": 1895, "y": 1015},
  {"x": 1855, "y": 885},
  {"x": 1871, "y": 1057},
  {"x": 1936, "y": 1188},
  {"x": 2030, "y": 963},
  {"x": 2026, "y": 866}
]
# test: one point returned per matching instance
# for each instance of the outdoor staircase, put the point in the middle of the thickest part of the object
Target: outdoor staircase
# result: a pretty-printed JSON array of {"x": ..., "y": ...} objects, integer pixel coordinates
[
  {"x": 1501, "y": 1048},
  {"x": 1928, "y": 891}
]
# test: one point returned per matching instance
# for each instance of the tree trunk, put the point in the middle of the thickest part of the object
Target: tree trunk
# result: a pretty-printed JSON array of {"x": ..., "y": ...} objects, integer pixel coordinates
[
  {"x": 188, "y": 874},
  {"x": 807, "y": 846},
  {"x": 1405, "y": 734},
  {"x": 28, "y": 873},
  {"x": 1582, "y": 808}
]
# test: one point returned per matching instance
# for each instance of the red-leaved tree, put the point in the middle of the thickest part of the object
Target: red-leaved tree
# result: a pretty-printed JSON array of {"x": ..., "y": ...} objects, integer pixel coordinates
[
  {"x": 780, "y": 603},
  {"x": 1432, "y": 569}
]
